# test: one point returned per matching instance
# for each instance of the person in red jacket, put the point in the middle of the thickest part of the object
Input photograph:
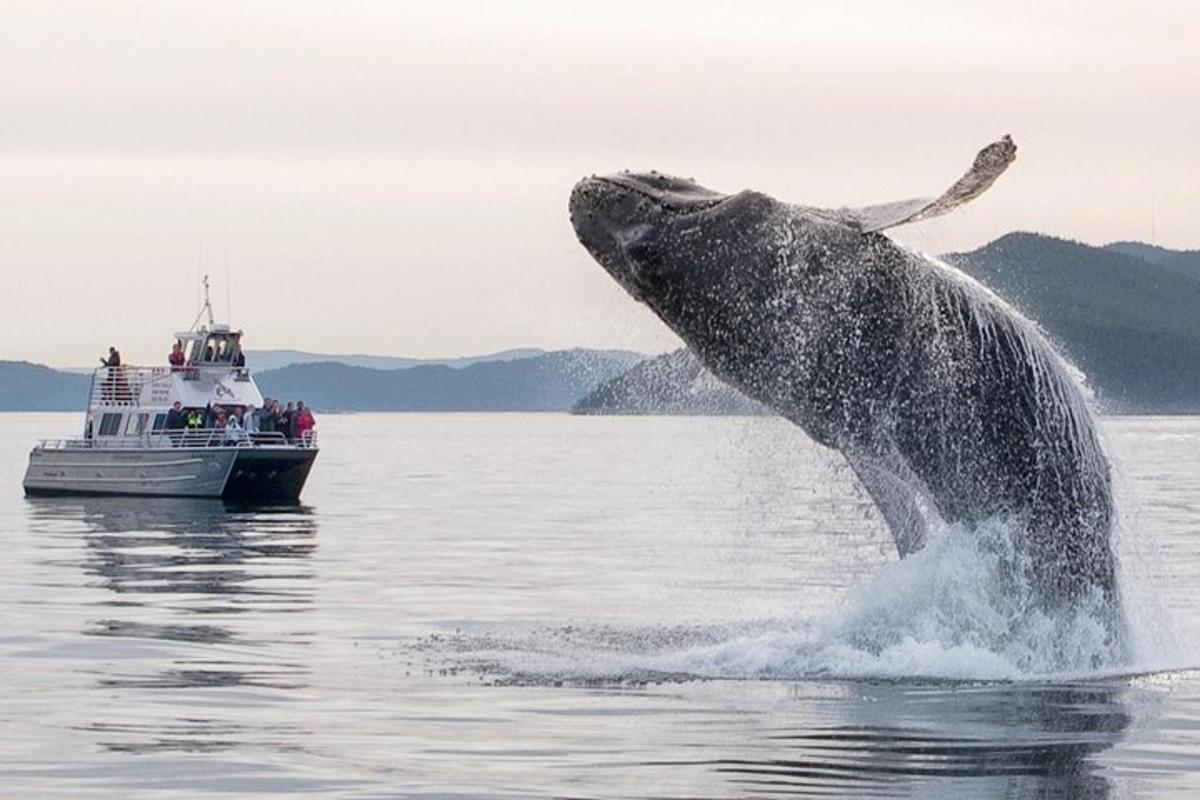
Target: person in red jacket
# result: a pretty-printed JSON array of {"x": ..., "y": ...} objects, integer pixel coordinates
[
  {"x": 176, "y": 358},
  {"x": 304, "y": 421}
]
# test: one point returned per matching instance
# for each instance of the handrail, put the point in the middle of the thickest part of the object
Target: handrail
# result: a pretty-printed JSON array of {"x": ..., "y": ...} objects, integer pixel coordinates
[
  {"x": 123, "y": 385},
  {"x": 186, "y": 437}
]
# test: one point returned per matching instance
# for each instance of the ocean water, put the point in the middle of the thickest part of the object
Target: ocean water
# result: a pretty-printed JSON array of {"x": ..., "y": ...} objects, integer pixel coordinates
[{"x": 528, "y": 606}]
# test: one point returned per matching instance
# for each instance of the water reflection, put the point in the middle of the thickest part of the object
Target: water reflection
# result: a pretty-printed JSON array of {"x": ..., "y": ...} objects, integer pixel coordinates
[
  {"x": 191, "y": 594},
  {"x": 956, "y": 741}
]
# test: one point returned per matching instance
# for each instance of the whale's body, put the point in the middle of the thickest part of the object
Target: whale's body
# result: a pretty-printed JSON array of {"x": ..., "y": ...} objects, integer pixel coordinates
[{"x": 946, "y": 402}]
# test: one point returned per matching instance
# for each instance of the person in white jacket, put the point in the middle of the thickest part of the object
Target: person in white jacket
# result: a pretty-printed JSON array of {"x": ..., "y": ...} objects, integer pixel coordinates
[{"x": 250, "y": 420}]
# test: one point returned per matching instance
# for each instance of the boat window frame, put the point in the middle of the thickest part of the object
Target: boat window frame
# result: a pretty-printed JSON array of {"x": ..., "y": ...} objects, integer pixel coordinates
[
  {"x": 110, "y": 423},
  {"x": 135, "y": 423}
]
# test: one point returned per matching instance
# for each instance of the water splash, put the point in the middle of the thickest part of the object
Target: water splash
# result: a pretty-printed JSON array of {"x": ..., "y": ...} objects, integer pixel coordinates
[{"x": 961, "y": 609}]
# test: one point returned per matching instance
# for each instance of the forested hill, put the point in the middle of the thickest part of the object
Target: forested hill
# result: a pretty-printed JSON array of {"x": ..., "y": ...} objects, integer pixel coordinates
[
  {"x": 1128, "y": 314},
  {"x": 33, "y": 387}
]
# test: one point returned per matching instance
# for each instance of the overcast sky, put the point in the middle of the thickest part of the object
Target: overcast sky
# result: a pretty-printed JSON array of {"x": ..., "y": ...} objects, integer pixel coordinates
[{"x": 392, "y": 177}]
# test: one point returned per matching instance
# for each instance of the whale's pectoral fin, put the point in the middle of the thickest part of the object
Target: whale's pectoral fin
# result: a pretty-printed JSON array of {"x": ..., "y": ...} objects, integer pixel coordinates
[
  {"x": 989, "y": 165},
  {"x": 896, "y": 492}
]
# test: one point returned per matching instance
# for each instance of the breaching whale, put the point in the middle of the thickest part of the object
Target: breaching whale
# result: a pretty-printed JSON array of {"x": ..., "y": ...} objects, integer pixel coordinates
[{"x": 947, "y": 404}]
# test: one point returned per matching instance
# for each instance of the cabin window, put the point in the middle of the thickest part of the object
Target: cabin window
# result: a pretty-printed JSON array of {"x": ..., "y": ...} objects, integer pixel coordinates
[
  {"x": 110, "y": 424},
  {"x": 135, "y": 424},
  {"x": 159, "y": 421}
]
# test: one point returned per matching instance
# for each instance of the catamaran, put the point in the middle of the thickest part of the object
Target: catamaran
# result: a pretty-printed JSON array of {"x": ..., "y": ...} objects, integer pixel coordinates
[{"x": 128, "y": 447}]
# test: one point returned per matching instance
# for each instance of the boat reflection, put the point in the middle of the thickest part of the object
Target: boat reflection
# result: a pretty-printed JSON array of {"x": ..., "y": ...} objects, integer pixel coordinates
[
  {"x": 194, "y": 595},
  {"x": 947, "y": 741}
]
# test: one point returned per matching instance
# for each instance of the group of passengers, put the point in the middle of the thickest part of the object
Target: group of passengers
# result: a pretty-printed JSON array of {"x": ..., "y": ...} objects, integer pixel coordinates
[{"x": 239, "y": 423}]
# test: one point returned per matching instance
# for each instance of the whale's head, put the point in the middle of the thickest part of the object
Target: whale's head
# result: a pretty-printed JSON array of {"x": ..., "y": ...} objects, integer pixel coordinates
[
  {"x": 628, "y": 222},
  {"x": 729, "y": 273}
]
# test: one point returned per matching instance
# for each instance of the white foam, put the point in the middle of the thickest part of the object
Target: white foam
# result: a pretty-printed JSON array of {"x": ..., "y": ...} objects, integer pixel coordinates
[{"x": 961, "y": 609}]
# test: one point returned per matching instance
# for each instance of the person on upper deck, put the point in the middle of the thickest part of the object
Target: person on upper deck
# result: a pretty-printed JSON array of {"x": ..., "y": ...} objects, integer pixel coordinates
[
  {"x": 176, "y": 358},
  {"x": 114, "y": 358},
  {"x": 239, "y": 357}
]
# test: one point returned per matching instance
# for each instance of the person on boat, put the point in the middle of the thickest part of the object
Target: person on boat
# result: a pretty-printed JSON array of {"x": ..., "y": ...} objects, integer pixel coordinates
[
  {"x": 113, "y": 388},
  {"x": 176, "y": 358},
  {"x": 195, "y": 421},
  {"x": 266, "y": 416},
  {"x": 283, "y": 420},
  {"x": 305, "y": 422},
  {"x": 233, "y": 430},
  {"x": 176, "y": 421},
  {"x": 250, "y": 420},
  {"x": 239, "y": 357}
]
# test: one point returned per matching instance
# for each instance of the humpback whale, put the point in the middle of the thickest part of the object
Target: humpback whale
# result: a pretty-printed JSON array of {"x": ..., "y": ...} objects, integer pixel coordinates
[{"x": 949, "y": 406}]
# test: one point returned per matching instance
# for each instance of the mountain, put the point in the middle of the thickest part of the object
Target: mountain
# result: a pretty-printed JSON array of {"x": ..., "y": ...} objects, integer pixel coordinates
[
  {"x": 549, "y": 382},
  {"x": 673, "y": 383},
  {"x": 262, "y": 360},
  {"x": 33, "y": 387},
  {"x": 1128, "y": 314},
  {"x": 1185, "y": 261}
]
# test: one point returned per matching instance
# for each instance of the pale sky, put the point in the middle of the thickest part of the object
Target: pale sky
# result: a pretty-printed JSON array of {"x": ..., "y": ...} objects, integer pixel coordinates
[{"x": 392, "y": 177}]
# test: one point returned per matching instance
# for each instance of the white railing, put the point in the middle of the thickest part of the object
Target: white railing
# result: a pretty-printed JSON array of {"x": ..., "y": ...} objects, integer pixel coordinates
[
  {"x": 187, "y": 437},
  {"x": 123, "y": 385}
]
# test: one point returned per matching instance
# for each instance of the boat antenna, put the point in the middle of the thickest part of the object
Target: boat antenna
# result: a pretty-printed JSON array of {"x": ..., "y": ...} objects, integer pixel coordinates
[
  {"x": 228, "y": 291},
  {"x": 207, "y": 307}
]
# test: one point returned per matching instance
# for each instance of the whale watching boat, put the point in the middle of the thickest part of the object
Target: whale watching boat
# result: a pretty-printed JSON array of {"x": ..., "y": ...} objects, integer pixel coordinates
[{"x": 128, "y": 446}]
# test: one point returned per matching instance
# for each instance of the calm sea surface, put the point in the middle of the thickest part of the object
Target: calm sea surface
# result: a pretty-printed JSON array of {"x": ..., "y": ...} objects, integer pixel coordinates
[{"x": 527, "y": 606}]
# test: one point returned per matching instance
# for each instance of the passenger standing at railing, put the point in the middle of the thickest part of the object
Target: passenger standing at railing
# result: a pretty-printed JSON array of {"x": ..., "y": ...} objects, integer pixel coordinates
[
  {"x": 113, "y": 385},
  {"x": 250, "y": 420},
  {"x": 305, "y": 421},
  {"x": 283, "y": 420},
  {"x": 176, "y": 358},
  {"x": 266, "y": 416},
  {"x": 233, "y": 431},
  {"x": 175, "y": 419}
]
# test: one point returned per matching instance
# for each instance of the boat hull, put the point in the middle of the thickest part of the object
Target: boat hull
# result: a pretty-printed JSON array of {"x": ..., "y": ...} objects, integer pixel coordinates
[{"x": 247, "y": 474}]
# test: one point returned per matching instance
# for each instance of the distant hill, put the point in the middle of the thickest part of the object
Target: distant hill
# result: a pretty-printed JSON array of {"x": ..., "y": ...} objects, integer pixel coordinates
[
  {"x": 33, "y": 387},
  {"x": 261, "y": 360},
  {"x": 1185, "y": 261},
  {"x": 549, "y": 382},
  {"x": 673, "y": 383},
  {"x": 1128, "y": 314}
]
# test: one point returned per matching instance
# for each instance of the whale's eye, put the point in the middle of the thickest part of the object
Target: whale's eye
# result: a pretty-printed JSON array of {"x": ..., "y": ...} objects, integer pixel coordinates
[{"x": 644, "y": 251}]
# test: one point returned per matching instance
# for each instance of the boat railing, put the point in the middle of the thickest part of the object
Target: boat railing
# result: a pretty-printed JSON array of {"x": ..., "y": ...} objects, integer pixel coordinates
[
  {"x": 125, "y": 385},
  {"x": 187, "y": 437}
]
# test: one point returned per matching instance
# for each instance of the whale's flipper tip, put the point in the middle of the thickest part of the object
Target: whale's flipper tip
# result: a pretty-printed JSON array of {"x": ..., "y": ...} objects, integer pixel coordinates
[{"x": 990, "y": 163}]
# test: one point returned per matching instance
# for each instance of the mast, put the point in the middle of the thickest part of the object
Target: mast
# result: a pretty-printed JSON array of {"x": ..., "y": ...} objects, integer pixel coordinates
[{"x": 207, "y": 307}]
